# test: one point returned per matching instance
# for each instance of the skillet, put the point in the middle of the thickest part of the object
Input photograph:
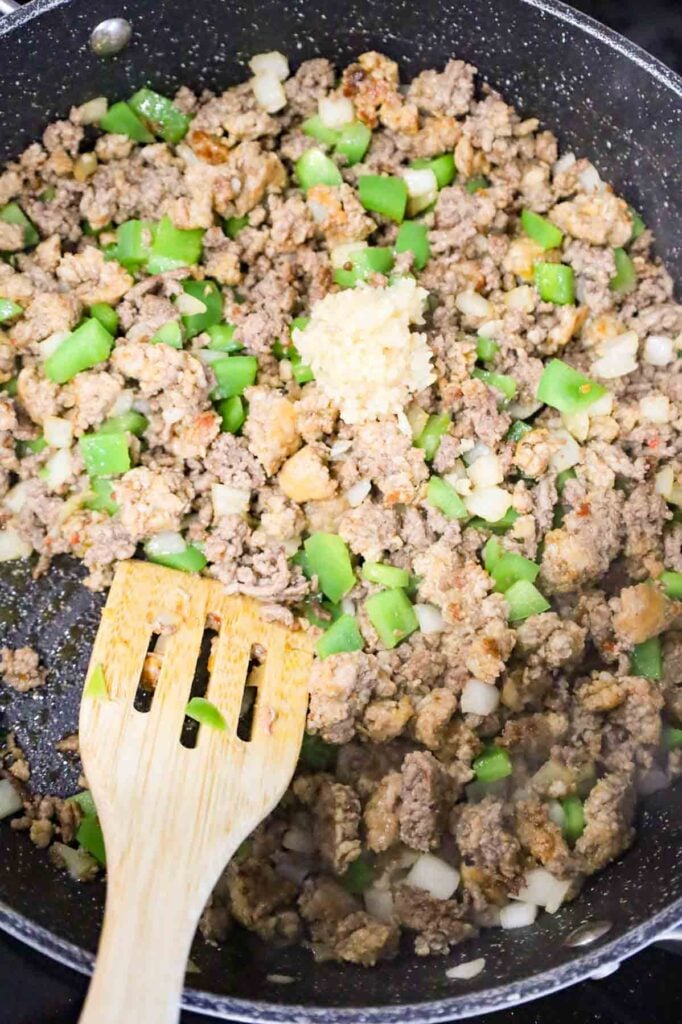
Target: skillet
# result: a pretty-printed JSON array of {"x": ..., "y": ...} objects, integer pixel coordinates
[{"x": 607, "y": 100}]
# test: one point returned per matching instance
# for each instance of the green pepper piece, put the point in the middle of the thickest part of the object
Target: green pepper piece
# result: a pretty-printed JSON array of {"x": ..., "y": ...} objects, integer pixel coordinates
[
  {"x": 210, "y": 294},
  {"x": 392, "y": 616},
  {"x": 477, "y": 184},
  {"x": 189, "y": 560},
  {"x": 232, "y": 414},
  {"x": 541, "y": 230},
  {"x": 562, "y": 479},
  {"x": 302, "y": 373},
  {"x": 105, "y": 454},
  {"x": 233, "y": 374},
  {"x": 672, "y": 738},
  {"x": 646, "y": 659},
  {"x": 524, "y": 599},
  {"x": 499, "y": 381},
  {"x": 486, "y": 350},
  {"x": 318, "y": 130},
  {"x": 493, "y": 764},
  {"x": 555, "y": 283},
  {"x": 626, "y": 276},
  {"x": 96, "y": 685},
  {"x": 672, "y": 584},
  {"x": 121, "y": 119},
  {"x": 414, "y": 237},
  {"x": 101, "y": 500},
  {"x": 12, "y": 213},
  {"x": 107, "y": 316},
  {"x": 315, "y": 168},
  {"x": 565, "y": 389},
  {"x": 85, "y": 802},
  {"x": 130, "y": 422},
  {"x": 36, "y": 446},
  {"x": 443, "y": 167},
  {"x": 233, "y": 225},
  {"x": 638, "y": 225},
  {"x": 89, "y": 835},
  {"x": 342, "y": 635},
  {"x": 169, "y": 334},
  {"x": 10, "y": 387},
  {"x": 389, "y": 576},
  {"x": 360, "y": 265},
  {"x": 301, "y": 560},
  {"x": 574, "y": 818},
  {"x": 321, "y": 613},
  {"x": 492, "y": 553},
  {"x": 133, "y": 239},
  {"x": 174, "y": 247},
  {"x": 384, "y": 194},
  {"x": 433, "y": 433},
  {"x": 9, "y": 310},
  {"x": 223, "y": 339},
  {"x": 160, "y": 115},
  {"x": 353, "y": 142},
  {"x": 299, "y": 323},
  {"x": 442, "y": 495},
  {"x": 500, "y": 526},
  {"x": 316, "y": 754},
  {"x": 511, "y": 567},
  {"x": 84, "y": 348},
  {"x": 518, "y": 430},
  {"x": 329, "y": 560},
  {"x": 205, "y": 713},
  {"x": 359, "y": 875}
]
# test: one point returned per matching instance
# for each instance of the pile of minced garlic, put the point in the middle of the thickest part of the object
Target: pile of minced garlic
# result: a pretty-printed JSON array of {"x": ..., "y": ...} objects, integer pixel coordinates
[{"x": 364, "y": 355}]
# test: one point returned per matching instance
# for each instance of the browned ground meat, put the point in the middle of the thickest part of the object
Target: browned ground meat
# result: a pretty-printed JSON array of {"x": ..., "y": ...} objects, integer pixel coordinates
[{"x": 392, "y": 771}]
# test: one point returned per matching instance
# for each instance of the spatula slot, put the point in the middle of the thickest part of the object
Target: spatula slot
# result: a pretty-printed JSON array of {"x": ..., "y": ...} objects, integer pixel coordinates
[
  {"x": 151, "y": 668},
  {"x": 202, "y": 676},
  {"x": 254, "y": 678}
]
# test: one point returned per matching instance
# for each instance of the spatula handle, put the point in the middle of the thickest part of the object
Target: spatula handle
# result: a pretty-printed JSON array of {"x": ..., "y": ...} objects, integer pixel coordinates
[{"x": 149, "y": 923}]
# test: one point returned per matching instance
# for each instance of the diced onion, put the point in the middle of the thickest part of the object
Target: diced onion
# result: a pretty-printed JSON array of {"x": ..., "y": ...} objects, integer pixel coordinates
[
  {"x": 602, "y": 407},
  {"x": 486, "y": 471},
  {"x": 16, "y": 498},
  {"x": 474, "y": 305},
  {"x": 142, "y": 405},
  {"x": 165, "y": 543},
  {"x": 517, "y": 915},
  {"x": 357, "y": 492},
  {"x": 659, "y": 350},
  {"x": 379, "y": 904},
  {"x": 521, "y": 299},
  {"x": 619, "y": 356},
  {"x": 123, "y": 403},
  {"x": 79, "y": 864},
  {"x": 467, "y": 970},
  {"x": 340, "y": 254},
  {"x": 569, "y": 453},
  {"x": 57, "y": 432},
  {"x": 563, "y": 163},
  {"x": 664, "y": 482},
  {"x": 477, "y": 451},
  {"x": 335, "y": 111},
  {"x": 58, "y": 469},
  {"x": 348, "y": 606},
  {"x": 10, "y": 800},
  {"x": 522, "y": 410},
  {"x": 189, "y": 305},
  {"x": 556, "y": 814},
  {"x": 422, "y": 189},
  {"x": 543, "y": 890},
  {"x": 229, "y": 501},
  {"x": 298, "y": 841},
  {"x": 339, "y": 449},
  {"x": 590, "y": 180},
  {"x": 50, "y": 345},
  {"x": 318, "y": 211},
  {"x": 12, "y": 546},
  {"x": 269, "y": 93},
  {"x": 429, "y": 618},
  {"x": 655, "y": 408},
  {"x": 577, "y": 424},
  {"x": 433, "y": 875},
  {"x": 490, "y": 503},
  {"x": 93, "y": 111},
  {"x": 272, "y": 63},
  {"x": 479, "y": 698},
  {"x": 209, "y": 355}
]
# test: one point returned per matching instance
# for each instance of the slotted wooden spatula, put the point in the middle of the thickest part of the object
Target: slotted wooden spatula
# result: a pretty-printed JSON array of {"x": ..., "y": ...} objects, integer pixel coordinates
[{"x": 172, "y": 817}]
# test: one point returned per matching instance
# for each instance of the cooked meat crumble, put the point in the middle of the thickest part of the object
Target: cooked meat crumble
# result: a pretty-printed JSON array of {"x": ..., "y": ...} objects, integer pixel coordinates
[{"x": 484, "y": 538}]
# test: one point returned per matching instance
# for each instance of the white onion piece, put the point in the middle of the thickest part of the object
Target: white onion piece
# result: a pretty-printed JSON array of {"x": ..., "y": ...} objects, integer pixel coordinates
[
  {"x": 58, "y": 469},
  {"x": 569, "y": 453},
  {"x": 339, "y": 449},
  {"x": 209, "y": 355},
  {"x": 619, "y": 357},
  {"x": 10, "y": 801},
  {"x": 189, "y": 305},
  {"x": 142, "y": 405},
  {"x": 58, "y": 432},
  {"x": 577, "y": 424},
  {"x": 602, "y": 407},
  {"x": 563, "y": 163},
  {"x": 269, "y": 93},
  {"x": 490, "y": 503},
  {"x": 79, "y": 864},
  {"x": 477, "y": 451},
  {"x": 93, "y": 111},
  {"x": 433, "y": 875},
  {"x": 357, "y": 492},
  {"x": 16, "y": 498},
  {"x": 655, "y": 409},
  {"x": 486, "y": 471},
  {"x": 466, "y": 971},
  {"x": 429, "y": 618},
  {"x": 517, "y": 915},
  {"x": 556, "y": 814},
  {"x": 12, "y": 546},
  {"x": 272, "y": 63},
  {"x": 474, "y": 305},
  {"x": 479, "y": 698},
  {"x": 521, "y": 298},
  {"x": 659, "y": 350},
  {"x": 543, "y": 890},
  {"x": 664, "y": 481},
  {"x": 318, "y": 211},
  {"x": 422, "y": 189},
  {"x": 590, "y": 180},
  {"x": 335, "y": 111},
  {"x": 298, "y": 841},
  {"x": 165, "y": 543},
  {"x": 379, "y": 904},
  {"x": 123, "y": 403},
  {"x": 340, "y": 254},
  {"x": 348, "y": 606},
  {"x": 50, "y": 345},
  {"x": 229, "y": 501}
]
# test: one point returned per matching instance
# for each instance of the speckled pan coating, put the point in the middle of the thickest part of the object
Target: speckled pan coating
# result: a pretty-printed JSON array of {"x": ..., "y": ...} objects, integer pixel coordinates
[{"x": 608, "y": 100}]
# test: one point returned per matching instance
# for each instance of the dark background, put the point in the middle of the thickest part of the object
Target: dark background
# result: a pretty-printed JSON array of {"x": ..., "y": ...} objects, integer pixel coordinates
[{"x": 645, "y": 990}]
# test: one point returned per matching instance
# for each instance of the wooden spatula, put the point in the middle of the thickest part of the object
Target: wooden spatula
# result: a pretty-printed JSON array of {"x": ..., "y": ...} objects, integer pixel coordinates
[{"x": 172, "y": 817}]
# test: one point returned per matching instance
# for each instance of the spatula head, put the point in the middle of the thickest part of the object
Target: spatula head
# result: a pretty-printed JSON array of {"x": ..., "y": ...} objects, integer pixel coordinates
[{"x": 193, "y": 804}]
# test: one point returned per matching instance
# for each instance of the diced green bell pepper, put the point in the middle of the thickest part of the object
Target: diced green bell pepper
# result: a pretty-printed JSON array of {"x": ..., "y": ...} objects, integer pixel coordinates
[
  {"x": 672, "y": 737},
  {"x": 442, "y": 495},
  {"x": 574, "y": 818},
  {"x": 492, "y": 764},
  {"x": 518, "y": 430},
  {"x": 233, "y": 225},
  {"x": 315, "y": 168},
  {"x": 389, "y": 576},
  {"x": 565, "y": 389},
  {"x": 9, "y": 310},
  {"x": 89, "y": 835},
  {"x": 486, "y": 349},
  {"x": 343, "y": 635},
  {"x": 443, "y": 167},
  {"x": 646, "y": 659},
  {"x": 160, "y": 115},
  {"x": 524, "y": 599},
  {"x": 433, "y": 433},
  {"x": 392, "y": 616},
  {"x": 353, "y": 141},
  {"x": 101, "y": 500},
  {"x": 359, "y": 875},
  {"x": 492, "y": 553},
  {"x": 562, "y": 479},
  {"x": 223, "y": 339},
  {"x": 233, "y": 374},
  {"x": 316, "y": 129},
  {"x": 105, "y": 454},
  {"x": 672, "y": 584},
  {"x": 12, "y": 213},
  {"x": 555, "y": 283},
  {"x": 121, "y": 119},
  {"x": 476, "y": 184},
  {"x": 232, "y": 414},
  {"x": 133, "y": 239},
  {"x": 170, "y": 334},
  {"x": 500, "y": 526},
  {"x": 205, "y": 713},
  {"x": 625, "y": 277},
  {"x": 500, "y": 381},
  {"x": 131, "y": 422},
  {"x": 189, "y": 560},
  {"x": 174, "y": 247},
  {"x": 107, "y": 316},
  {"x": 316, "y": 754},
  {"x": 414, "y": 237},
  {"x": 84, "y": 348},
  {"x": 210, "y": 294},
  {"x": 638, "y": 225},
  {"x": 329, "y": 560},
  {"x": 541, "y": 230},
  {"x": 511, "y": 567},
  {"x": 384, "y": 194},
  {"x": 360, "y": 265}
]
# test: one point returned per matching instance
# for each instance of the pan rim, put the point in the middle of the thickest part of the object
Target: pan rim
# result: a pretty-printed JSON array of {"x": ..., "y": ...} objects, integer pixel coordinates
[{"x": 458, "y": 1007}]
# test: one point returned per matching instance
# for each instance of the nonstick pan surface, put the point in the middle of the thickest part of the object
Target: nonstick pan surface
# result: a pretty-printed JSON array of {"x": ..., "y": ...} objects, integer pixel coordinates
[{"x": 607, "y": 100}]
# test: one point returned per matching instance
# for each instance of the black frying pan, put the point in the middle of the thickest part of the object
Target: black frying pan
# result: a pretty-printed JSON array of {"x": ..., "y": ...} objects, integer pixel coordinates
[{"x": 607, "y": 100}]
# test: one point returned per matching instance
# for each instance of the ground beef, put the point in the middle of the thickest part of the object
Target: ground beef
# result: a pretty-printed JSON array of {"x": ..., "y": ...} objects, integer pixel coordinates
[
  {"x": 340, "y": 689},
  {"x": 609, "y": 811},
  {"x": 421, "y": 801},
  {"x": 439, "y": 923},
  {"x": 21, "y": 669}
]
